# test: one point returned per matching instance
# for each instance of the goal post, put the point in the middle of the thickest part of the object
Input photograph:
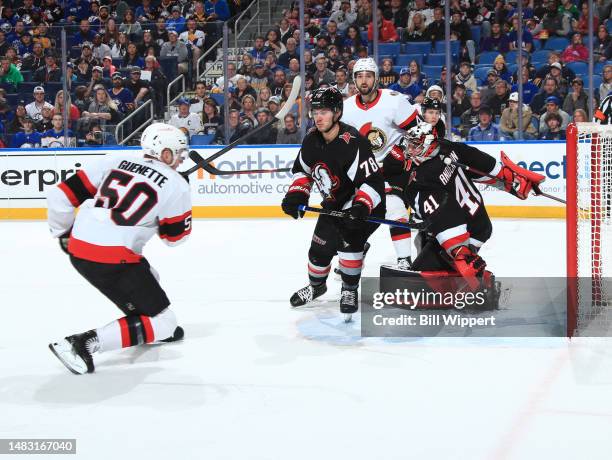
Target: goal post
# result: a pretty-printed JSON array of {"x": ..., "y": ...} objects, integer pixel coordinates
[{"x": 589, "y": 229}]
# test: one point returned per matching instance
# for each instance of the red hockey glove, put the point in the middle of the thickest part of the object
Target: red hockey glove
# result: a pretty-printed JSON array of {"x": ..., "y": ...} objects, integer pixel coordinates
[
  {"x": 518, "y": 181},
  {"x": 395, "y": 161},
  {"x": 298, "y": 194},
  {"x": 467, "y": 262}
]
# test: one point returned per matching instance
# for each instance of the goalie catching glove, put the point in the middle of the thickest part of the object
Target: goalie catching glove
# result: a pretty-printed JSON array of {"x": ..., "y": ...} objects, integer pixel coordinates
[{"x": 518, "y": 181}]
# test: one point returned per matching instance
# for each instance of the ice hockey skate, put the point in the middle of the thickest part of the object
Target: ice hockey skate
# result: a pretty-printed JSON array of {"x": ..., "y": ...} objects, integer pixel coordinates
[
  {"x": 348, "y": 303},
  {"x": 307, "y": 294},
  {"x": 75, "y": 352}
]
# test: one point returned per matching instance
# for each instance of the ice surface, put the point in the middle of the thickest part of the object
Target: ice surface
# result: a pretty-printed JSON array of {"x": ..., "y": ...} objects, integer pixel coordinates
[{"x": 257, "y": 380}]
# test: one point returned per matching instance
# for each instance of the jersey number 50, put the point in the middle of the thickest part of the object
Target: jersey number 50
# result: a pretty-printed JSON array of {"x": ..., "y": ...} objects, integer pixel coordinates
[{"x": 122, "y": 201}]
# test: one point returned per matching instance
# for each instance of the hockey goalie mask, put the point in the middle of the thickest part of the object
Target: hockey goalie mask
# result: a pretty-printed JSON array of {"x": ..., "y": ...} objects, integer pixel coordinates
[
  {"x": 421, "y": 143},
  {"x": 159, "y": 137}
]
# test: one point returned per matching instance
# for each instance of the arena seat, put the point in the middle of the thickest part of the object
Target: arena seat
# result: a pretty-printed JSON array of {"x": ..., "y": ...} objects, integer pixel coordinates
[
  {"x": 556, "y": 44},
  {"x": 435, "y": 59},
  {"x": 392, "y": 49},
  {"x": 480, "y": 74},
  {"x": 169, "y": 65},
  {"x": 488, "y": 57},
  {"x": 432, "y": 71},
  {"x": 403, "y": 60},
  {"x": 417, "y": 48},
  {"x": 476, "y": 30},
  {"x": 540, "y": 56},
  {"x": 578, "y": 67},
  {"x": 440, "y": 46},
  {"x": 201, "y": 139}
]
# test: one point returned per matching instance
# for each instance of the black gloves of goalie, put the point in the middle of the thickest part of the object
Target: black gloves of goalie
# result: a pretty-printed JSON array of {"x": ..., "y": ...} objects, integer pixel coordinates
[{"x": 292, "y": 201}]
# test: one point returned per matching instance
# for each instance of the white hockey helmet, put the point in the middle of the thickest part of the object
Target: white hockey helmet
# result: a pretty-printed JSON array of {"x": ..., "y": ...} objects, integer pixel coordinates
[
  {"x": 158, "y": 137},
  {"x": 366, "y": 65},
  {"x": 422, "y": 142}
]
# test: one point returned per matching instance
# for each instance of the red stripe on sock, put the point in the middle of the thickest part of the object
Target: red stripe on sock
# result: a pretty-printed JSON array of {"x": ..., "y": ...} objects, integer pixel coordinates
[
  {"x": 319, "y": 272},
  {"x": 148, "y": 327},
  {"x": 351, "y": 263},
  {"x": 455, "y": 241},
  {"x": 400, "y": 237},
  {"x": 125, "y": 333}
]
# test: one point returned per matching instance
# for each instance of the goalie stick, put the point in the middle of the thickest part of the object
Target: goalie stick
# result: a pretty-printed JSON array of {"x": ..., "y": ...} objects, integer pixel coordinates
[
  {"x": 374, "y": 220},
  {"x": 199, "y": 160},
  {"x": 297, "y": 83},
  {"x": 535, "y": 187}
]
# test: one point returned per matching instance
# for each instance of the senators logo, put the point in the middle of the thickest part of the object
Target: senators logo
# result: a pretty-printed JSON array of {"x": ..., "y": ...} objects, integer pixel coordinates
[
  {"x": 325, "y": 180},
  {"x": 376, "y": 136}
]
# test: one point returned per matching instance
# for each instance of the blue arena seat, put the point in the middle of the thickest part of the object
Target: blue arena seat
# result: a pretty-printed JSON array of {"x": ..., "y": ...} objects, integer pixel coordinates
[
  {"x": 201, "y": 139},
  {"x": 435, "y": 59},
  {"x": 476, "y": 30},
  {"x": 537, "y": 45},
  {"x": 381, "y": 58},
  {"x": 404, "y": 60},
  {"x": 169, "y": 65},
  {"x": 540, "y": 56},
  {"x": 218, "y": 97},
  {"x": 511, "y": 56},
  {"x": 432, "y": 71},
  {"x": 389, "y": 48},
  {"x": 440, "y": 46},
  {"x": 487, "y": 57},
  {"x": 417, "y": 47},
  {"x": 556, "y": 44},
  {"x": 579, "y": 68},
  {"x": 480, "y": 74}
]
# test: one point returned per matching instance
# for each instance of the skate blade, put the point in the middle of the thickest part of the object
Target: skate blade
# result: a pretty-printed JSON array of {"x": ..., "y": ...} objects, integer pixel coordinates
[
  {"x": 348, "y": 317},
  {"x": 63, "y": 351},
  {"x": 179, "y": 334}
]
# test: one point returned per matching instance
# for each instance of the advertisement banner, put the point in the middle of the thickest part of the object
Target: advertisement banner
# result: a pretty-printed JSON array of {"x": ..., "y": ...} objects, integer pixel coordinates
[{"x": 25, "y": 175}]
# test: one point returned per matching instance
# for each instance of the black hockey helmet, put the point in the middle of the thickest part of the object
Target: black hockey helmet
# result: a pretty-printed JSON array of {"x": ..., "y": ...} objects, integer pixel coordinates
[
  {"x": 431, "y": 103},
  {"x": 327, "y": 98}
]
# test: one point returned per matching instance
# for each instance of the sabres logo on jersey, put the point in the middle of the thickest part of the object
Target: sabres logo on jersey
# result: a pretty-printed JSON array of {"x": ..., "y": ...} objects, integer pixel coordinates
[
  {"x": 326, "y": 182},
  {"x": 376, "y": 136}
]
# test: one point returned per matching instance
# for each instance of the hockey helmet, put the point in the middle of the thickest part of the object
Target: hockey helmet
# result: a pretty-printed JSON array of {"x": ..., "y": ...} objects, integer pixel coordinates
[
  {"x": 327, "y": 98},
  {"x": 421, "y": 142},
  {"x": 431, "y": 103},
  {"x": 160, "y": 136},
  {"x": 366, "y": 65}
]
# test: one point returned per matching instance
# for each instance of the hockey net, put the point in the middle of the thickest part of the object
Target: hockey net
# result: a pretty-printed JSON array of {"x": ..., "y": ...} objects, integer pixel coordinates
[{"x": 589, "y": 229}]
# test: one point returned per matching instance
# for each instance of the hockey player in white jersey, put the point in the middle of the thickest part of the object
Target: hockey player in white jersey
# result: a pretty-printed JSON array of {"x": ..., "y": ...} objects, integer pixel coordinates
[
  {"x": 123, "y": 201},
  {"x": 382, "y": 116}
]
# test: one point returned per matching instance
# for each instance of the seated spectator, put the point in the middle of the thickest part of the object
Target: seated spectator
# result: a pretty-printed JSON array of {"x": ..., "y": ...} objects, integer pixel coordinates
[
  {"x": 194, "y": 39},
  {"x": 553, "y": 23},
  {"x": 285, "y": 30},
  {"x": 556, "y": 72},
  {"x": 488, "y": 89},
  {"x": 274, "y": 105},
  {"x": 552, "y": 106},
  {"x": 17, "y": 124},
  {"x": 386, "y": 30},
  {"x": 121, "y": 96},
  {"x": 466, "y": 77},
  {"x": 73, "y": 114},
  {"x": 246, "y": 68},
  {"x": 99, "y": 49},
  {"x": 399, "y": 14},
  {"x": 271, "y": 63},
  {"x": 404, "y": 85},
  {"x": 217, "y": 10},
  {"x": 606, "y": 82},
  {"x": 273, "y": 43},
  {"x": 266, "y": 136},
  {"x": 581, "y": 25},
  {"x": 497, "y": 41},
  {"x": 579, "y": 116},
  {"x": 243, "y": 88},
  {"x": 210, "y": 117},
  {"x": 420, "y": 8},
  {"x": 343, "y": 17},
  {"x": 158, "y": 82},
  {"x": 44, "y": 123},
  {"x": 290, "y": 134},
  {"x": 50, "y": 71},
  {"x": 34, "y": 108},
  {"x": 25, "y": 45},
  {"x": 160, "y": 33},
  {"x": 539, "y": 100},
  {"x": 576, "y": 51},
  {"x": 80, "y": 99},
  {"x": 417, "y": 29},
  {"x": 85, "y": 34},
  {"x": 416, "y": 76},
  {"x": 322, "y": 74},
  {"x": 234, "y": 129},
  {"x": 602, "y": 46},
  {"x": 138, "y": 87},
  {"x": 87, "y": 55},
  {"x": 291, "y": 52},
  {"x": 527, "y": 39},
  {"x": 196, "y": 103},
  {"x": 186, "y": 119},
  {"x": 108, "y": 68},
  {"x": 485, "y": 130},
  {"x": 26, "y": 138},
  {"x": 248, "y": 108},
  {"x": 130, "y": 26},
  {"x": 441, "y": 83},
  {"x": 110, "y": 34},
  {"x": 147, "y": 43},
  {"x": 176, "y": 22},
  {"x": 436, "y": 29},
  {"x": 435, "y": 92},
  {"x": 294, "y": 70},
  {"x": 460, "y": 101},
  {"x": 469, "y": 118},
  {"x": 119, "y": 48},
  {"x": 568, "y": 8},
  {"x": 146, "y": 12},
  {"x": 333, "y": 36},
  {"x": 132, "y": 58},
  {"x": 9, "y": 73},
  {"x": 509, "y": 123},
  {"x": 259, "y": 50},
  {"x": 102, "y": 110},
  {"x": 500, "y": 66},
  {"x": 529, "y": 88},
  {"x": 334, "y": 61},
  {"x": 55, "y": 136},
  {"x": 97, "y": 137},
  {"x": 577, "y": 98},
  {"x": 263, "y": 97},
  {"x": 552, "y": 128},
  {"x": 499, "y": 100},
  {"x": 97, "y": 79},
  {"x": 342, "y": 84},
  {"x": 173, "y": 47},
  {"x": 33, "y": 61},
  {"x": 352, "y": 39}
]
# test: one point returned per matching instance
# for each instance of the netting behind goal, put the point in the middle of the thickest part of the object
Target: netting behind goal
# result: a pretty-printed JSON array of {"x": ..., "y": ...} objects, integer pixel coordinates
[{"x": 589, "y": 229}]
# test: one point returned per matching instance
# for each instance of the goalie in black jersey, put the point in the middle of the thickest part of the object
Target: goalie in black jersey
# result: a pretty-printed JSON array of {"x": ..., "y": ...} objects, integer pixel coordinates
[
  {"x": 442, "y": 193},
  {"x": 340, "y": 162}
]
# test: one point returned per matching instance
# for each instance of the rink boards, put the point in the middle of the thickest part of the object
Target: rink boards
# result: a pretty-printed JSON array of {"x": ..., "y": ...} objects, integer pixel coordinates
[{"x": 26, "y": 174}]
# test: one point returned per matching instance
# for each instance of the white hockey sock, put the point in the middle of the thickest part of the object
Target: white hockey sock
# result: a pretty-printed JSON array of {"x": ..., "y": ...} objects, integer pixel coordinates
[
  {"x": 136, "y": 330},
  {"x": 401, "y": 237}
]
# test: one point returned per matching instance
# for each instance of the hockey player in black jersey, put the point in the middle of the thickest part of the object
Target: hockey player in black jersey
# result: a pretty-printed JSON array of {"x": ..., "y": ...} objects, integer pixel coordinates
[
  {"x": 340, "y": 162},
  {"x": 443, "y": 194},
  {"x": 431, "y": 112}
]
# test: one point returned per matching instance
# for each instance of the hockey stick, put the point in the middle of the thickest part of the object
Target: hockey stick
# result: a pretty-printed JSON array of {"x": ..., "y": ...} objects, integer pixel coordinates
[
  {"x": 297, "y": 82},
  {"x": 197, "y": 159},
  {"x": 536, "y": 188},
  {"x": 374, "y": 220}
]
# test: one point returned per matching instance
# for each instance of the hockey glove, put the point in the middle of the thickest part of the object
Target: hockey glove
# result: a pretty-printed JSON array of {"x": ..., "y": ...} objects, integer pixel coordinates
[
  {"x": 356, "y": 215},
  {"x": 467, "y": 262},
  {"x": 291, "y": 202},
  {"x": 518, "y": 181},
  {"x": 63, "y": 241},
  {"x": 395, "y": 161}
]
